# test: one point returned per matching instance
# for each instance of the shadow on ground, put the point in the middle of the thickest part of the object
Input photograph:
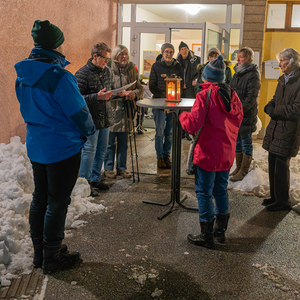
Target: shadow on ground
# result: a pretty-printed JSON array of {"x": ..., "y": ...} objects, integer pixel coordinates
[{"x": 140, "y": 281}]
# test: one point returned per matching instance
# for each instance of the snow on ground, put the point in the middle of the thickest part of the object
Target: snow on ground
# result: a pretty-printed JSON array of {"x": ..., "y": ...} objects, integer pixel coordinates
[{"x": 16, "y": 186}]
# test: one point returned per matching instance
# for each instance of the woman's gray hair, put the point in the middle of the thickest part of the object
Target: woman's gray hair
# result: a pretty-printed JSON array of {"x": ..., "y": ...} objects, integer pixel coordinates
[
  {"x": 248, "y": 53},
  {"x": 292, "y": 55},
  {"x": 116, "y": 51}
]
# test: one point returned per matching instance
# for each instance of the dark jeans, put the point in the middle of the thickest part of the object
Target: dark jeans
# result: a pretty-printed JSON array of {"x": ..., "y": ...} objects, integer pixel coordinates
[
  {"x": 279, "y": 177},
  {"x": 51, "y": 197}
]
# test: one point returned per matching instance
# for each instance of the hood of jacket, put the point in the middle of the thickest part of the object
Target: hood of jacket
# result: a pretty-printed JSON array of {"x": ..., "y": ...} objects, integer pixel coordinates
[
  {"x": 40, "y": 60},
  {"x": 191, "y": 57}
]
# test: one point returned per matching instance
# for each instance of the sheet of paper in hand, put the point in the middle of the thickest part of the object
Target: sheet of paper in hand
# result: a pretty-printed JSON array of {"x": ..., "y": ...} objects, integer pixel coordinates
[{"x": 122, "y": 88}]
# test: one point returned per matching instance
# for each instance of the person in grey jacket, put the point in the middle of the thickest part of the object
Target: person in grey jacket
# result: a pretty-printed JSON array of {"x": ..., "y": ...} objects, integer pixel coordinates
[
  {"x": 95, "y": 84},
  {"x": 282, "y": 138},
  {"x": 123, "y": 72},
  {"x": 246, "y": 82}
]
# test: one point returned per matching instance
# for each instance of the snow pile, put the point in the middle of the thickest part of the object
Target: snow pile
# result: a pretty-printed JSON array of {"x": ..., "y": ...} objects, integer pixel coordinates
[{"x": 16, "y": 187}]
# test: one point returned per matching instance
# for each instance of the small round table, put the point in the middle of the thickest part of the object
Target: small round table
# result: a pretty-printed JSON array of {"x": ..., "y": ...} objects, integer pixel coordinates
[{"x": 174, "y": 107}]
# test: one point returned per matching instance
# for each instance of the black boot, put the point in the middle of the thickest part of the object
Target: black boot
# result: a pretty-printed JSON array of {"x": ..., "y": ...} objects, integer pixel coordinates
[
  {"x": 206, "y": 237},
  {"x": 56, "y": 260},
  {"x": 38, "y": 252},
  {"x": 221, "y": 226}
]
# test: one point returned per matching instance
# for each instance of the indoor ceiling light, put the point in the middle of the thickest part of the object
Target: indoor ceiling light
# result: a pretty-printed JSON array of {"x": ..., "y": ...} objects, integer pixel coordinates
[{"x": 192, "y": 9}]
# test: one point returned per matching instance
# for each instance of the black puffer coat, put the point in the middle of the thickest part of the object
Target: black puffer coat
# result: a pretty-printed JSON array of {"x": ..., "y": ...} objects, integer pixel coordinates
[
  {"x": 247, "y": 84},
  {"x": 283, "y": 132},
  {"x": 157, "y": 84},
  {"x": 91, "y": 79},
  {"x": 191, "y": 73}
]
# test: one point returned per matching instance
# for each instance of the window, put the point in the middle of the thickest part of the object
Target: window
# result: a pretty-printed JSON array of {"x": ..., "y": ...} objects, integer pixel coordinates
[
  {"x": 236, "y": 13},
  {"x": 283, "y": 16},
  {"x": 276, "y": 16}
]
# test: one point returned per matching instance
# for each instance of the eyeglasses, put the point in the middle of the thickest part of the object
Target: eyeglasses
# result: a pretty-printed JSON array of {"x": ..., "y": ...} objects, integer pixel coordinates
[
  {"x": 123, "y": 54},
  {"x": 105, "y": 58},
  {"x": 169, "y": 52}
]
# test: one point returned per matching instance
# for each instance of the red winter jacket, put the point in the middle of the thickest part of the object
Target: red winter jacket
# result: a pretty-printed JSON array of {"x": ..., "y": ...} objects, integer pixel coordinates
[{"x": 215, "y": 148}]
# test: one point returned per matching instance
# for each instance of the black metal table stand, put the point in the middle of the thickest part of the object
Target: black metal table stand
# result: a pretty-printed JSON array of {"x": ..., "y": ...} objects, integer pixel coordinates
[{"x": 175, "y": 173}]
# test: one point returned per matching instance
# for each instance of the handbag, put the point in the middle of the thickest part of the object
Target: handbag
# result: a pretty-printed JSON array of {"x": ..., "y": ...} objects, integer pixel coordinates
[{"x": 191, "y": 168}]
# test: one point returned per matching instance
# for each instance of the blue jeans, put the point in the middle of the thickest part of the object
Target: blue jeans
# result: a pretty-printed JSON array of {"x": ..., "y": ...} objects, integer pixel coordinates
[
  {"x": 163, "y": 135},
  {"x": 93, "y": 154},
  {"x": 244, "y": 145},
  {"x": 53, "y": 184},
  {"x": 122, "y": 141},
  {"x": 211, "y": 185}
]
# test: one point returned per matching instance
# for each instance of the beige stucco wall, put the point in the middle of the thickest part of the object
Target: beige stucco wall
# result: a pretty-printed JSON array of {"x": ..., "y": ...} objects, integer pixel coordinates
[{"x": 83, "y": 23}]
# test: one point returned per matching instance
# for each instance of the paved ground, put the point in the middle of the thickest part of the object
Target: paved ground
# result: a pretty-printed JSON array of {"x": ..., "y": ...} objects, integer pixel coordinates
[{"x": 129, "y": 254}]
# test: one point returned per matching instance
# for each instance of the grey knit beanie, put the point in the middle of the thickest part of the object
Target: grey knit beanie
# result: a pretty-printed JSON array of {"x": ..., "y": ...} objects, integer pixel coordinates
[
  {"x": 165, "y": 46},
  {"x": 213, "y": 50}
]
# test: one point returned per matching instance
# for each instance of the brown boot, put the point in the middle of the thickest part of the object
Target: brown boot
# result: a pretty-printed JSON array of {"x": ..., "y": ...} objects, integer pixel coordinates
[
  {"x": 246, "y": 162},
  {"x": 238, "y": 163},
  {"x": 168, "y": 162},
  {"x": 161, "y": 164}
]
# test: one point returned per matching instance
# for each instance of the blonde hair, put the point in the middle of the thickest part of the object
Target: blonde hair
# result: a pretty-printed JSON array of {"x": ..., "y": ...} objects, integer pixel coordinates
[
  {"x": 292, "y": 55},
  {"x": 116, "y": 51},
  {"x": 248, "y": 53}
]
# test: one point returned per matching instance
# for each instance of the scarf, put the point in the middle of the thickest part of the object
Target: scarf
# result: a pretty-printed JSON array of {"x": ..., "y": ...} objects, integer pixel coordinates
[{"x": 242, "y": 67}]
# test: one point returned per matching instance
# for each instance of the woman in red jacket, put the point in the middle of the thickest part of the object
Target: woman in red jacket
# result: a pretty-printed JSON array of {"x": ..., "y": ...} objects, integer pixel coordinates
[{"x": 214, "y": 151}]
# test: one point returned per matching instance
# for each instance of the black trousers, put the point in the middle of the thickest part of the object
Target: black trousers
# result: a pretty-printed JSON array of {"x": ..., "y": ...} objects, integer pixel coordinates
[
  {"x": 53, "y": 185},
  {"x": 279, "y": 177}
]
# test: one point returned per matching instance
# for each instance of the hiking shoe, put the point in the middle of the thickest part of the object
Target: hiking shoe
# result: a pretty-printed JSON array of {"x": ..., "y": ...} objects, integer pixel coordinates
[
  {"x": 161, "y": 164},
  {"x": 99, "y": 185},
  {"x": 60, "y": 262},
  {"x": 124, "y": 174},
  {"x": 168, "y": 162},
  {"x": 110, "y": 174},
  {"x": 94, "y": 193}
]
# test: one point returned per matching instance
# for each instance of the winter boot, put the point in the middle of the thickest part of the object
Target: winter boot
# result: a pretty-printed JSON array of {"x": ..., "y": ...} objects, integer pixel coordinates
[
  {"x": 206, "y": 237},
  {"x": 38, "y": 251},
  {"x": 238, "y": 162},
  {"x": 167, "y": 162},
  {"x": 56, "y": 260},
  {"x": 221, "y": 226},
  {"x": 246, "y": 162}
]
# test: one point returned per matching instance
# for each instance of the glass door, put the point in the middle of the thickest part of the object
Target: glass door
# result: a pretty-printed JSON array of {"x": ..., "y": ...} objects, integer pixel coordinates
[{"x": 214, "y": 37}]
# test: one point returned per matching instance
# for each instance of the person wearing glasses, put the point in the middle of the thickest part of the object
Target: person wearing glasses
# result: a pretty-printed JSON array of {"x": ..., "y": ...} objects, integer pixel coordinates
[
  {"x": 123, "y": 72},
  {"x": 165, "y": 64},
  {"x": 95, "y": 84}
]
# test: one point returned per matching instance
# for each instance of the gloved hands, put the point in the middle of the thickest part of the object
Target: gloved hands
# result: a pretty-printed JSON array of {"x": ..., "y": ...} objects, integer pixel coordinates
[{"x": 269, "y": 110}]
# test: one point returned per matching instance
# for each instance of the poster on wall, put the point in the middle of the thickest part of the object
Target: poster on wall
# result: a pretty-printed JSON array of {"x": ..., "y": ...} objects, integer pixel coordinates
[
  {"x": 149, "y": 58},
  {"x": 196, "y": 48}
]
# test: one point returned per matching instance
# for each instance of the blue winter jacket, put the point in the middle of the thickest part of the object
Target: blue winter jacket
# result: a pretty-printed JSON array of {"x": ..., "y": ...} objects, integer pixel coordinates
[{"x": 58, "y": 119}]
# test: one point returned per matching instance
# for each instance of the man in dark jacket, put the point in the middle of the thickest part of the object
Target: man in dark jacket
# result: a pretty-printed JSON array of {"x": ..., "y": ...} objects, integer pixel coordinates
[
  {"x": 95, "y": 84},
  {"x": 58, "y": 121},
  {"x": 189, "y": 62},
  {"x": 165, "y": 64},
  {"x": 246, "y": 82}
]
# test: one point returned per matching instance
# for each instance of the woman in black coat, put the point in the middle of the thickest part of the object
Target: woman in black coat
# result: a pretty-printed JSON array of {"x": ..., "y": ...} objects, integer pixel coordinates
[
  {"x": 246, "y": 82},
  {"x": 282, "y": 138}
]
